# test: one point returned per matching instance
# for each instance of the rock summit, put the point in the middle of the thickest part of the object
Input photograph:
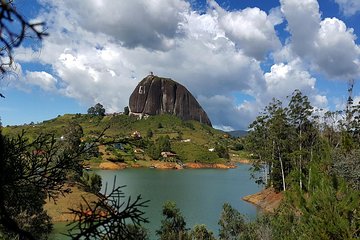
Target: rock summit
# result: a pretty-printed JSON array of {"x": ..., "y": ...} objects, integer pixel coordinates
[{"x": 156, "y": 95}]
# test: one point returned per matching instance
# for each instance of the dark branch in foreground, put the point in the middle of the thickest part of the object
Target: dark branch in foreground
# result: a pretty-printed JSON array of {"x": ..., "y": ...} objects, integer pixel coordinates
[
  {"x": 108, "y": 218},
  {"x": 13, "y": 29}
]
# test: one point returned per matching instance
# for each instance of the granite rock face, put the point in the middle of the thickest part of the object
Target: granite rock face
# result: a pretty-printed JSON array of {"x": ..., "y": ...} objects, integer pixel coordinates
[{"x": 155, "y": 95}]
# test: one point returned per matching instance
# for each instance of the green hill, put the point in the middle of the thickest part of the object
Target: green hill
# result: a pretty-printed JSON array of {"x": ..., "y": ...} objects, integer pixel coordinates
[{"x": 189, "y": 140}]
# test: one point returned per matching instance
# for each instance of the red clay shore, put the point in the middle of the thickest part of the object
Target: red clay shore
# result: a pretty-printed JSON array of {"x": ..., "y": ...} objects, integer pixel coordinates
[
  {"x": 267, "y": 199},
  {"x": 107, "y": 165}
]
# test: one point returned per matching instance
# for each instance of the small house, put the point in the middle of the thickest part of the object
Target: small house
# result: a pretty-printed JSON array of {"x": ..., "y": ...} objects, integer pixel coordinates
[
  {"x": 138, "y": 150},
  {"x": 168, "y": 154}
]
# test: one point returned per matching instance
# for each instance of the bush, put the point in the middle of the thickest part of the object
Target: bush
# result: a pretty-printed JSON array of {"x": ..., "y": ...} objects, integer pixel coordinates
[
  {"x": 91, "y": 182},
  {"x": 222, "y": 152},
  {"x": 173, "y": 226},
  {"x": 238, "y": 146}
]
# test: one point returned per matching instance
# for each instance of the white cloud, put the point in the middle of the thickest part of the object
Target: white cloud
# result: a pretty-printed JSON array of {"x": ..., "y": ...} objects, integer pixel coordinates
[
  {"x": 228, "y": 115},
  {"x": 285, "y": 78},
  {"x": 349, "y": 7},
  {"x": 153, "y": 24},
  {"x": 42, "y": 79},
  {"x": 328, "y": 46},
  {"x": 100, "y": 50},
  {"x": 91, "y": 67},
  {"x": 335, "y": 50},
  {"x": 303, "y": 19},
  {"x": 251, "y": 29}
]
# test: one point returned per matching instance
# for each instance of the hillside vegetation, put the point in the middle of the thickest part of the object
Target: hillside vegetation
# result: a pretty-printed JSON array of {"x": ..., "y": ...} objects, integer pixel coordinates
[{"x": 127, "y": 139}]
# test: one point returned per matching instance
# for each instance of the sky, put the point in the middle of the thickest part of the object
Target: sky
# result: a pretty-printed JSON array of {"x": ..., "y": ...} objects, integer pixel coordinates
[{"x": 234, "y": 56}]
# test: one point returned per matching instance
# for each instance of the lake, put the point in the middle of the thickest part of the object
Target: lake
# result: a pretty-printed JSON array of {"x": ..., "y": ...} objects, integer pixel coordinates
[{"x": 199, "y": 193}]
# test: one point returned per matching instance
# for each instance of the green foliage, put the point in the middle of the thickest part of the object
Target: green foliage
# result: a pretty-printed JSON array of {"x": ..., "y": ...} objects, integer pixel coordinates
[
  {"x": 73, "y": 133},
  {"x": 238, "y": 146},
  {"x": 149, "y": 133},
  {"x": 126, "y": 110},
  {"x": 30, "y": 172},
  {"x": 200, "y": 232},
  {"x": 222, "y": 151},
  {"x": 91, "y": 182},
  {"x": 98, "y": 220},
  {"x": 231, "y": 223},
  {"x": 193, "y": 152},
  {"x": 154, "y": 151},
  {"x": 189, "y": 125},
  {"x": 162, "y": 144},
  {"x": 329, "y": 211},
  {"x": 120, "y": 127},
  {"x": 346, "y": 165},
  {"x": 97, "y": 110},
  {"x": 136, "y": 232},
  {"x": 284, "y": 139},
  {"x": 173, "y": 226}
]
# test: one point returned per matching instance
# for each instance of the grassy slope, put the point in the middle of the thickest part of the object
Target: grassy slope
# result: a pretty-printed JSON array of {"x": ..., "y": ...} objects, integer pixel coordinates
[{"x": 202, "y": 136}]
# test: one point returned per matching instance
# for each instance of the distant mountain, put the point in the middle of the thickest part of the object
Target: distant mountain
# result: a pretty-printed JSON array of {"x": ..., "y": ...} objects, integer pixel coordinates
[
  {"x": 238, "y": 133},
  {"x": 156, "y": 96}
]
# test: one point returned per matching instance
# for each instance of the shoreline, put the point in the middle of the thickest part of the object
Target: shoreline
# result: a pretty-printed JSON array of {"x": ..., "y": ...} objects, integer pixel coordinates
[
  {"x": 59, "y": 211},
  {"x": 267, "y": 199},
  {"x": 107, "y": 165}
]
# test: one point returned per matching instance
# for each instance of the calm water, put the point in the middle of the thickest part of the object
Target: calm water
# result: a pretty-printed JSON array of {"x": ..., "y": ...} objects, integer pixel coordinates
[{"x": 199, "y": 193}]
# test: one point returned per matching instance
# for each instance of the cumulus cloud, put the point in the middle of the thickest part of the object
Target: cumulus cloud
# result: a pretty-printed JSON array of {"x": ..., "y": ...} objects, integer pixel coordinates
[
  {"x": 349, "y": 7},
  {"x": 227, "y": 115},
  {"x": 251, "y": 29},
  {"x": 42, "y": 79},
  {"x": 327, "y": 45},
  {"x": 283, "y": 79},
  {"x": 92, "y": 67},
  {"x": 153, "y": 24},
  {"x": 335, "y": 50},
  {"x": 99, "y": 50}
]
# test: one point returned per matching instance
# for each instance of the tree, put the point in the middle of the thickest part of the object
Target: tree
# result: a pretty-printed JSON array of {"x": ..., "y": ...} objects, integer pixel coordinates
[
  {"x": 258, "y": 143},
  {"x": 111, "y": 217},
  {"x": 14, "y": 28},
  {"x": 73, "y": 133},
  {"x": 91, "y": 182},
  {"x": 163, "y": 143},
  {"x": 97, "y": 110},
  {"x": 126, "y": 110},
  {"x": 222, "y": 151},
  {"x": 30, "y": 172},
  {"x": 200, "y": 232},
  {"x": 346, "y": 165},
  {"x": 153, "y": 151},
  {"x": 299, "y": 113},
  {"x": 173, "y": 227},
  {"x": 231, "y": 223},
  {"x": 329, "y": 211},
  {"x": 149, "y": 133}
]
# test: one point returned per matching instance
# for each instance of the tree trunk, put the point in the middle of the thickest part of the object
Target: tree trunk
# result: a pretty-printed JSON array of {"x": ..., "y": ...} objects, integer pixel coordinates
[
  {"x": 282, "y": 170},
  {"x": 311, "y": 157}
]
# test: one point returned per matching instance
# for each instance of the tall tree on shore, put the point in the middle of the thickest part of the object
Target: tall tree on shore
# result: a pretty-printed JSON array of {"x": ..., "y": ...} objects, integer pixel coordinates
[
  {"x": 278, "y": 130},
  {"x": 299, "y": 112},
  {"x": 259, "y": 144}
]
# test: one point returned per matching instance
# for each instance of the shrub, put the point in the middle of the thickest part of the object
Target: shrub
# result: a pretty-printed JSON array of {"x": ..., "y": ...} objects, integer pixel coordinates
[{"x": 91, "y": 182}]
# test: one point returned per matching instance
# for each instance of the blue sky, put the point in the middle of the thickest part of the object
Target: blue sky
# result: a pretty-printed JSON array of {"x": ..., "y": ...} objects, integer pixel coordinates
[{"x": 233, "y": 55}]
